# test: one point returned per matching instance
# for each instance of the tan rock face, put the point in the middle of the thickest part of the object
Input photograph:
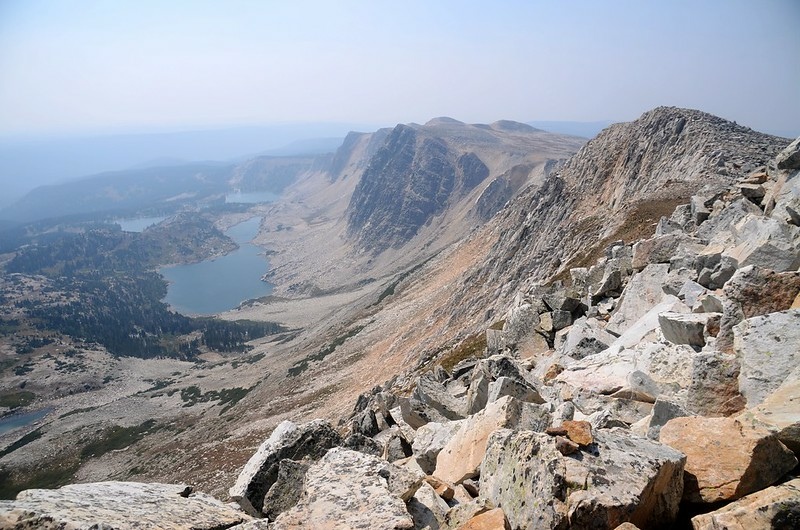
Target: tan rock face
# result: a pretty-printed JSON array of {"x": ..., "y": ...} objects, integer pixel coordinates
[
  {"x": 774, "y": 507},
  {"x": 725, "y": 458},
  {"x": 462, "y": 455},
  {"x": 491, "y": 520},
  {"x": 579, "y": 432},
  {"x": 442, "y": 489}
]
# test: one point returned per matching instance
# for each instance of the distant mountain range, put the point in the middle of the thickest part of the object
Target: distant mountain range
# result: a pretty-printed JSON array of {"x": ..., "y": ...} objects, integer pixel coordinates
[{"x": 27, "y": 163}]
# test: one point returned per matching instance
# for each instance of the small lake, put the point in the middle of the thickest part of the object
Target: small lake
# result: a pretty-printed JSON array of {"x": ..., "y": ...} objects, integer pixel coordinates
[
  {"x": 255, "y": 197},
  {"x": 220, "y": 284},
  {"x": 15, "y": 421},
  {"x": 138, "y": 224}
]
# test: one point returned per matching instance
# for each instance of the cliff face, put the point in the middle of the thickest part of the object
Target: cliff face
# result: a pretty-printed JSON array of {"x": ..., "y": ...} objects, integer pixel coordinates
[
  {"x": 395, "y": 197},
  {"x": 409, "y": 180},
  {"x": 421, "y": 172}
]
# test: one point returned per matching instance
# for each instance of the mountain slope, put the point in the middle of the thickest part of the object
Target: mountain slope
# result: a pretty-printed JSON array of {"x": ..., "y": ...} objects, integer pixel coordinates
[
  {"x": 119, "y": 191},
  {"x": 392, "y": 198},
  {"x": 617, "y": 187}
]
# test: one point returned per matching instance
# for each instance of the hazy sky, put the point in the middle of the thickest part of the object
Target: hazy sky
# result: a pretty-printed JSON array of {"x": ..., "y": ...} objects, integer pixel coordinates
[{"x": 90, "y": 66}]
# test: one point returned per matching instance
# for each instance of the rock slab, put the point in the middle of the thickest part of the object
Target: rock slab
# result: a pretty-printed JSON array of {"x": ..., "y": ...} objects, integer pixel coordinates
[
  {"x": 775, "y": 507},
  {"x": 726, "y": 458},
  {"x": 780, "y": 411},
  {"x": 118, "y": 505},
  {"x": 348, "y": 489},
  {"x": 768, "y": 348},
  {"x": 623, "y": 479}
]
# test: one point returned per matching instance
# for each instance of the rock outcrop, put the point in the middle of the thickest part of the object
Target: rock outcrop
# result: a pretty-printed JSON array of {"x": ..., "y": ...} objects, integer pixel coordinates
[
  {"x": 348, "y": 489},
  {"x": 620, "y": 478},
  {"x": 774, "y": 507},
  {"x": 118, "y": 505},
  {"x": 288, "y": 440}
]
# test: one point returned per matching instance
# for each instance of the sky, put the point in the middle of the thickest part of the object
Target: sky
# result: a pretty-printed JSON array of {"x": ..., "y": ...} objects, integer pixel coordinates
[{"x": 87, "y": 67}]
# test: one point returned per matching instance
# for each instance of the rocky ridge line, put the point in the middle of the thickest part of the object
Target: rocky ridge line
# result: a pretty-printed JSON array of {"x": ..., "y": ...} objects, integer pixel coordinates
[{"x": 616, "y": 187}]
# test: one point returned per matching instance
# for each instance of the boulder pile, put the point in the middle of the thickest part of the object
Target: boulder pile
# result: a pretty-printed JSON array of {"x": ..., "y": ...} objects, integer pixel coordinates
[{"x": 663, "y": 380}]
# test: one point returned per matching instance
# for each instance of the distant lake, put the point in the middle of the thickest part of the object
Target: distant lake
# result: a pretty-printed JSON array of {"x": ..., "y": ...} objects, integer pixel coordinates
[
  {"x": 251, "y": 198},
  {"x": 220, "y": 284},
  {"x": 139, "y": 224},
  {"x": 14, "y": 421}
]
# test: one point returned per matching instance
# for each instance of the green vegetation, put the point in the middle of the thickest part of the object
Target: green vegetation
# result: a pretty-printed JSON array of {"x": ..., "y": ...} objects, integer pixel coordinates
[
  {"x": 52, "y": 477},
  {"x": 227, "y": 397},
  {"x": 117, "y": 437},
  {"x": 302, "y": 365},
  {"x": 77, "y": 411},
  {"x": 29, "y": 344},
  {"x": 471, "y": 347},
  {"x": 23, "y": 369},
  {"x": 226, "y": 336},
  {"x": 9, "y": 327},
  {"x": 248, "y": 360},
  {"x": 25, "y": 440},
  {"x": 159, "y": 384},
  {"x": 390, "y": 290},
  {"x": 61, "y": 471},
  {"x": 14, "y": 400}
]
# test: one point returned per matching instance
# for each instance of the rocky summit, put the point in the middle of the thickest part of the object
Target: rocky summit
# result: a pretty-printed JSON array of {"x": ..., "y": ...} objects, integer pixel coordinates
[{"x": 636, "y": 365}]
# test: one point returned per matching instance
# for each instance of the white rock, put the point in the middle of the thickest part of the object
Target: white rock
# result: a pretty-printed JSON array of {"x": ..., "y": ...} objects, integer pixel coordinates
[
  {"x": 585, "y": 337},
  {"x": 768, "y": 347},
  {"x": 766, "y": 242},
  {"x": 288, "y": 440},
  {"x": 780, "y": 411},
  {"x": 430, "y": 440},
  {"x": 348, "y": 489},
  {"x": 118, "y": 505},
  {"x": 686, "y": 328},
  {"x": 508, "y": 386},
  {"x": 668, "y": 365},
  {"x": 642, "y": 293},
  {"x": 427, "y": 509},
  {"x": 648, "y": 323}
]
